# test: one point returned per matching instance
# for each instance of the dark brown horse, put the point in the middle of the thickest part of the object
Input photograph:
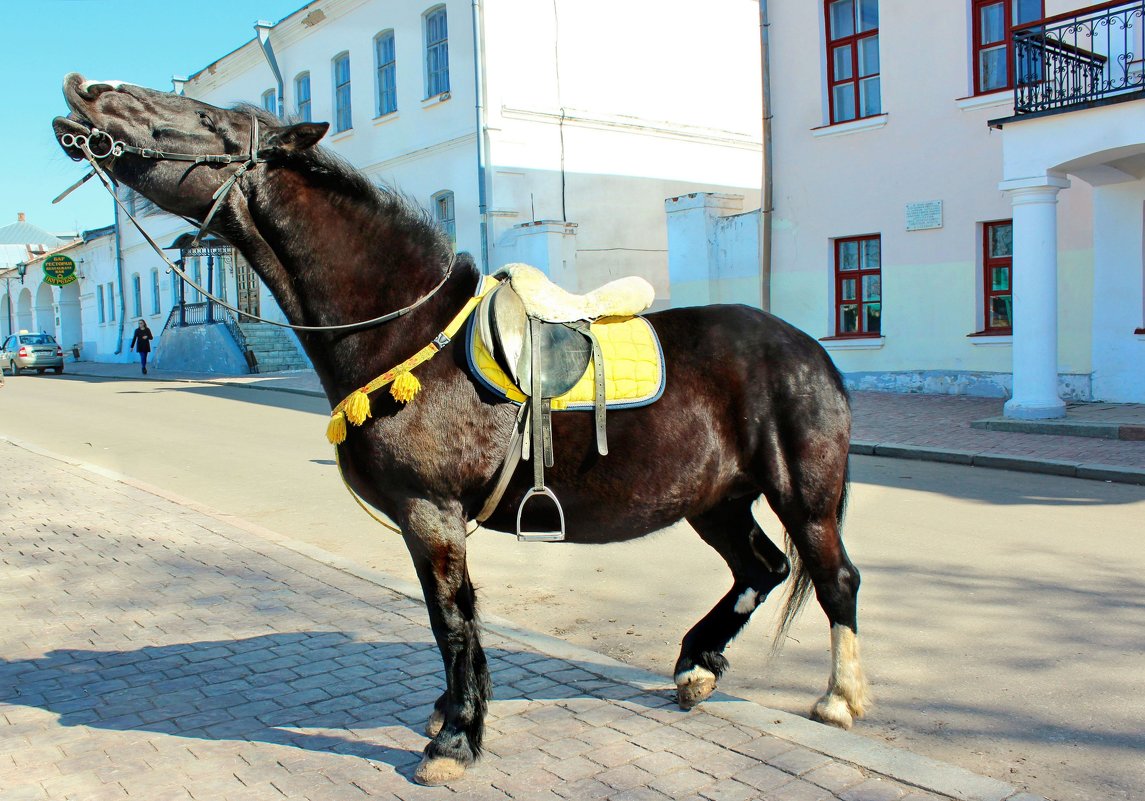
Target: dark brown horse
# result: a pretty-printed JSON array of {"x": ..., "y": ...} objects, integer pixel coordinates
[{"x": 752, "y": 406}]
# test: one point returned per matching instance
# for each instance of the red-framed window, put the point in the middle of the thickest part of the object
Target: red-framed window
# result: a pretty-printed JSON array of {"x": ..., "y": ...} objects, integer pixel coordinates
[
  {"x": 994, "y": 21},
  {"x": 853, "y": 85},
  {"x": 858, "y": 286},
  {"x": 997, "y": 274}
]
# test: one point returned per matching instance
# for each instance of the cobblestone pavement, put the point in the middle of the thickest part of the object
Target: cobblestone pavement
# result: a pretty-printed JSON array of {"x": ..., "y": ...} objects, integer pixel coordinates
[{"x": 155, "y": 651}]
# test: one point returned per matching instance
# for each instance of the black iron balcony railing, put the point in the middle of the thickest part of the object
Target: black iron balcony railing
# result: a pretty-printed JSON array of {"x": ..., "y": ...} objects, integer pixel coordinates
[{"x": 1079, "y": 58}]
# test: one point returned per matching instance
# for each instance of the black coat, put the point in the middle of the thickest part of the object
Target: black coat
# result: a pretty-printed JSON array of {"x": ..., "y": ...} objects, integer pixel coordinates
[{"x": 141, "y": 340}]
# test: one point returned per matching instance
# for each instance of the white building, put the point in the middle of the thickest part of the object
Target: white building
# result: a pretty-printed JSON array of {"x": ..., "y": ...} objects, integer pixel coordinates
[
  {"x": 541, "y": 132},
  {"x": 909, "y": 190}
]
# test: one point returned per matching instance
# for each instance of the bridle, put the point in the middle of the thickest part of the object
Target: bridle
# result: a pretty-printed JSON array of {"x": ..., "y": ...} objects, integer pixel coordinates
[{"x": 253, "y": 157}]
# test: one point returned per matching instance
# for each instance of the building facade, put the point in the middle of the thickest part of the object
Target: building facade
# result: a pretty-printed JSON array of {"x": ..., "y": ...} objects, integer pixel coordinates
[
  {"x": 934, "y": 236},
  {"x": 548, "y": 133}
]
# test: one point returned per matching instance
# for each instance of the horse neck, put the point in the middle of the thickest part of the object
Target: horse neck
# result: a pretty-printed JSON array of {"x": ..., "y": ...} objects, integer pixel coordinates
[{"x": 329, "y": 261}]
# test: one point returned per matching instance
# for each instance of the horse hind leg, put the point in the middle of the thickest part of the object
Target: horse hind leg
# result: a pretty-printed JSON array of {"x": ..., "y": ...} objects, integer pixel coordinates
[
  {"x": 757, "y": 567},
  {"x": 823, "y": 563}
]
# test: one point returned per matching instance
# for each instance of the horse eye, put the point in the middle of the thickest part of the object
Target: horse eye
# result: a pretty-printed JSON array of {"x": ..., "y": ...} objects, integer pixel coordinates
[{"x": 205, "y": 118}]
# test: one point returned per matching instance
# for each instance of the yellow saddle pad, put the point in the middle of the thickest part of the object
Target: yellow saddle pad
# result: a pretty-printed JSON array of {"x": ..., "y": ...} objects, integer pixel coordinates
[{"x": 633, "y": 367}]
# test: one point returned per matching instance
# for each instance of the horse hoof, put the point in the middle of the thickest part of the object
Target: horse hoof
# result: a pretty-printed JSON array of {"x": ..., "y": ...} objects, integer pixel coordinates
[
  {"x": 832, "y": 710},
  {"x": 694, "y": 686},
  {"x": 435, "y": 723},
  {"x": 434, "y": 771}
]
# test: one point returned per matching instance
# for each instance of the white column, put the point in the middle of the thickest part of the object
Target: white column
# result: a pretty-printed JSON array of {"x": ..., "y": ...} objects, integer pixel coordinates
[{"x": 1035, "y": 294}]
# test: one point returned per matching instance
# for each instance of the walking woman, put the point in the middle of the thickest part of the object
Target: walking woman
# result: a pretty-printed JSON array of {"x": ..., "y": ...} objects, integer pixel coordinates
[{"x": 141, "y": 343}]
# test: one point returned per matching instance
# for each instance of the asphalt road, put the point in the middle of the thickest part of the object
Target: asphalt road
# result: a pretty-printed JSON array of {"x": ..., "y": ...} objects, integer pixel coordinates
[{"x": 1001, "y": 613}]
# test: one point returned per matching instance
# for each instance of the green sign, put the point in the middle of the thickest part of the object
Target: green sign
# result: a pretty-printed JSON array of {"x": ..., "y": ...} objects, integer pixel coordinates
[{"x": 59, "y": 270}]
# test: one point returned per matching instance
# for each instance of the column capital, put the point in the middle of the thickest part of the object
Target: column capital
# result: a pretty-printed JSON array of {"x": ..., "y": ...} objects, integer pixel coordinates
[{"x": 1039, "y": 184}]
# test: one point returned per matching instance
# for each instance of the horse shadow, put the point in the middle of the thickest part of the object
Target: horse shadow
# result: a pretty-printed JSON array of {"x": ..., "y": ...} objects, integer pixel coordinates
[{"x": 320, "y": 691}]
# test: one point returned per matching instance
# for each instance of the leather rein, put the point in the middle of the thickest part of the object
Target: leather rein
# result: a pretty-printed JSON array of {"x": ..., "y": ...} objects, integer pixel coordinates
[{"x": 254, "y": 156}]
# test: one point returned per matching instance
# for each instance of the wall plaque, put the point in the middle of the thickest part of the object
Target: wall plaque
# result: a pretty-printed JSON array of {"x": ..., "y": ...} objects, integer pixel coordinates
[{"x": 923, "y": 216}]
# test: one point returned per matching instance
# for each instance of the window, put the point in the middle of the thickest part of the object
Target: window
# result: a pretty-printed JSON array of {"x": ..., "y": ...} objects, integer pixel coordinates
[
  {"x": 858, "y": 286},
  {"x": 443, "y": 213},
  {"x": 100, "y": 304},
  {"x": 137, "y": 295},
  {"x": 853, "y": 59},
  {"x": 384, "y": 58},
  {"x": 302, "y": 96},
  {"x": 176, "y": 284},
  {"x": 436, "y": 52},
  {"x": 270, "y": 101},
  {"x": 994, "y": 21},
  {"x": 997, "y": 264},
  {"x": 155, "y": 291},
  {"x": 343, "y": 119},
  {"x": 111, "y": 303}
]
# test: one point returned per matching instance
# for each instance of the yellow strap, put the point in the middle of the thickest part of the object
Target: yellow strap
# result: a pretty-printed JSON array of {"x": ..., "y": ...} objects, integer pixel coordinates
[{"x": 429, "y": 351}]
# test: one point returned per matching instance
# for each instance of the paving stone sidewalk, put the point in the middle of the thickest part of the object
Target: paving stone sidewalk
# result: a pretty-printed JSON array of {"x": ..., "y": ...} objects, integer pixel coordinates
[{"x": 152, "y": 650}]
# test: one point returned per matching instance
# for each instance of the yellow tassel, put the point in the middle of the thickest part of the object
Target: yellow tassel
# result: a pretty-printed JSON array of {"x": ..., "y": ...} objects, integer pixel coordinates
[
  {"x": 357, "y": 407},
  {"x": 405, "y": 386},
  {"x": 336, "y": 430}
]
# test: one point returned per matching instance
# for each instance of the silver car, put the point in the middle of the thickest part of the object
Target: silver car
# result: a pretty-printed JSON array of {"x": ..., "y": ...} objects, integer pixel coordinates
[{"x": 26, "y": 351}]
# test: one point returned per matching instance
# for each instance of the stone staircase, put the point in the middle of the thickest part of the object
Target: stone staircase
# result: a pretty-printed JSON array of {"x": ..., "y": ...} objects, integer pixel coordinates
[{"x": 274, "y": 348}]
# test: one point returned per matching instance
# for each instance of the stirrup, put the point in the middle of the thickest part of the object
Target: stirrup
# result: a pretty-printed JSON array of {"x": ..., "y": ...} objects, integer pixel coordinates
[{"x": 540, "y": 536}]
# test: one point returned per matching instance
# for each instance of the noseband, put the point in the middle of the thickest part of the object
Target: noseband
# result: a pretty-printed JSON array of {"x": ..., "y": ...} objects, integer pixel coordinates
[
  {"x": 253, "y": 156},
  {"x": 89, "y": 143}
]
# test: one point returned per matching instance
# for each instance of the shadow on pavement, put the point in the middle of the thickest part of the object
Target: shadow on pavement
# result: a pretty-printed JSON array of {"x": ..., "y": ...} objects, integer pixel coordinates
[{"x": 321, "y": 691}]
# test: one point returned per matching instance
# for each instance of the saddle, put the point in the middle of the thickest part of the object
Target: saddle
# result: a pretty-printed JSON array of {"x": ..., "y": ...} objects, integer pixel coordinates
[{"x": 542, "y": 339}]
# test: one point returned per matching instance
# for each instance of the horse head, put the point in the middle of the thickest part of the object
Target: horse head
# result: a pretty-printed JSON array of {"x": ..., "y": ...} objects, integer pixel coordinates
[{"x": 174, "y": 150}]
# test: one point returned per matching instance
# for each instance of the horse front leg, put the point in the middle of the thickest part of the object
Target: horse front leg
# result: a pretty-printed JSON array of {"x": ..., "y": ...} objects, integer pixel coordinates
[{"x": 436, "y": 541}]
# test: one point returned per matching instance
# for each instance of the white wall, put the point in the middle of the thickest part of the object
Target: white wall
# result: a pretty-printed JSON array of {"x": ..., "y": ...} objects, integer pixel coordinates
[{"x": 932, "y": 143}]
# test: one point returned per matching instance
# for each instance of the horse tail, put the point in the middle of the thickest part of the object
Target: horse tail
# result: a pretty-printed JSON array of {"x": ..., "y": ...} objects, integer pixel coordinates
[{"x": 799, "y": 590}]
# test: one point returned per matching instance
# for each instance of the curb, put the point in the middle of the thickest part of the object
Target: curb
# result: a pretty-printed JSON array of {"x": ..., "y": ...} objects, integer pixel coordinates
[
  {"x": 1054, "y": 467},
  {"x": 872, "y": 756}
]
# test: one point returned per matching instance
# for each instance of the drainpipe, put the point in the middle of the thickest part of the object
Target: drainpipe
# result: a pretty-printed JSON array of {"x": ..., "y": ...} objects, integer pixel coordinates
[
  {"x": 766, "y": 202},
  {"x": 119, "y": 277},
  {"x": 262, "y": 28},
  {"x": 482, "y": 145}
]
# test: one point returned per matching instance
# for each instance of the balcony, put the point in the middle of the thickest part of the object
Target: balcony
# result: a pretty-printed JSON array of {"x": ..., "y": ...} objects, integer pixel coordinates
[{"x": 1080, "y": 59}]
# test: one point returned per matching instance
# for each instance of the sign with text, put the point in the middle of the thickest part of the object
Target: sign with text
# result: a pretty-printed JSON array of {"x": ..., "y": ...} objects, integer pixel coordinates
[
  {"x": 924, "y": 216},
  {"x": 59, "y": 270}
]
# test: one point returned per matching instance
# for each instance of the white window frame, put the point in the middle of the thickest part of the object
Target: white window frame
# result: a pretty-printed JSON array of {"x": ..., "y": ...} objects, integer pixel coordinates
[
  {"x": 444, "y": 205},
  {"x": 385, "y": 75},
  {"x": 436, "y": 80},
  {"x": 338, "y": 97},
  {"x": 301, "y": 98}
]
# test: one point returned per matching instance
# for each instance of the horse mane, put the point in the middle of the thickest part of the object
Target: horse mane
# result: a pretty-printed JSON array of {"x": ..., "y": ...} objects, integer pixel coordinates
[{"x": 330, "y": 171}]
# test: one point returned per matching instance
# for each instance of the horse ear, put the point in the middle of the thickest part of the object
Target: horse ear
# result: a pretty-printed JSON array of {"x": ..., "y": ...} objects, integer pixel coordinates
[{"x": 295, "y": 138}]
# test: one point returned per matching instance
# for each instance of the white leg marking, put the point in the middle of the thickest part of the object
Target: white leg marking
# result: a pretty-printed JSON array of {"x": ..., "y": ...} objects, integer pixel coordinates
[
  {"x": 747, "y": 602},
  {"x": 847, "y": 695},
  {"x": 694, "y": 674}
]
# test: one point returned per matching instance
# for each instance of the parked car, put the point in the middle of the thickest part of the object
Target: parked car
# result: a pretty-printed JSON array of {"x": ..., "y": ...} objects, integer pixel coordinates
[{"x": 26, "y": 351}]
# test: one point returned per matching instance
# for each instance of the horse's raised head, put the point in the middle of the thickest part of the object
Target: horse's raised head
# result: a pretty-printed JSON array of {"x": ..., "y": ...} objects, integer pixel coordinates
[{"x": 104, "y": 113}]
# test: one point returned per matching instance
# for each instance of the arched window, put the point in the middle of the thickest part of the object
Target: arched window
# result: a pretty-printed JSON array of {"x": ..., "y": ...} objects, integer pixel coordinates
[
  {"x": 270, "y": 101},
  {"x": 343, "y": 117},
  {"x": 445, "y": 214},
  {"x": 302, "y": 97},
  {"x": 385, "y": 62},
  {"x": 436, "y": 52}
]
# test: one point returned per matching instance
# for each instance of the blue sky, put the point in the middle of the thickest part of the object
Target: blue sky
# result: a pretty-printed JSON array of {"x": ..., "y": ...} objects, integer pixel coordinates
[{"x": 140, "y": 41}]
